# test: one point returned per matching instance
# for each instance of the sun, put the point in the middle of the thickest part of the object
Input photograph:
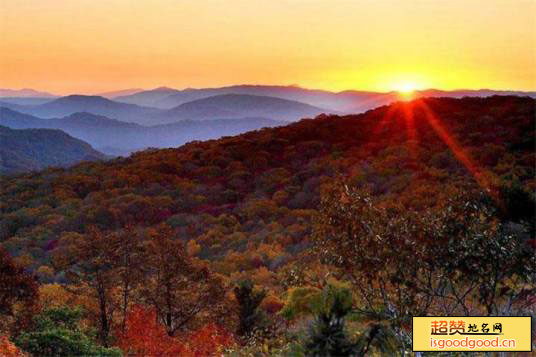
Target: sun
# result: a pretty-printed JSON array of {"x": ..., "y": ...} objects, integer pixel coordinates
[{"x": 406, "y": 89}]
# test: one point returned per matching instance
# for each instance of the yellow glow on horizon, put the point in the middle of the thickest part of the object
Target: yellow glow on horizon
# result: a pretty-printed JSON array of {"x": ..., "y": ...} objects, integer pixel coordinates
[
  {"x": 406, "y": 88},
  {"x": 89, "y": 46}
]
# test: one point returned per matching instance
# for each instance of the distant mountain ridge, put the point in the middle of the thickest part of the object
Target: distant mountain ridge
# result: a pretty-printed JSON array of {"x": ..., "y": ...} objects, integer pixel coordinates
[
  {"x": 240, "y": 105},
  {"x": 35, "y": 149},
  {"x": 166, "y": 98},
  {"x": 26, "y": 100},
  {"x": 149, "y": 98},
  {"x": 348, "y": 101},
  {"x": 116, "y": 137},
  {"x": 82, "y": 103},
  {"x": 112, "y": 94},
  {"x": 230, "y": 106},
  {"x": 25, "y": 92},
  {"x": 166, "y": 105}
]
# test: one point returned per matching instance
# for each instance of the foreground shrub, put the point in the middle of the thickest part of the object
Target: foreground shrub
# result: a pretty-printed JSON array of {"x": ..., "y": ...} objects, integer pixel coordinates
[{"x": 56, "y": 332}]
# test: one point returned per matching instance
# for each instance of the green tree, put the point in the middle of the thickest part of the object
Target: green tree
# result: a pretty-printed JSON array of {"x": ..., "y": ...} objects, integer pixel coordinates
[
  {"x": 56, "y": 333},
  {"x": 327, "y": 335},
  {"x": 300, "y": 301}
]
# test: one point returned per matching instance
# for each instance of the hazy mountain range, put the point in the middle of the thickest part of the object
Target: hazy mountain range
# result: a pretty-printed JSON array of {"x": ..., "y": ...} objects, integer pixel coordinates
[
  {"x": 120, "y": 122},
  {"x": 25, "y": 100},
  {"x": 230, "y": 106},
  {"x": 25, "y": 93},
  {"x": 116, "y": 137},
  {"x": 36, "y": 149},
  {"x": 118, "y": 93},
  {"x": 81, "y": 103},
  {"x": 227, "y": 106},
  {"x": 350, "y": 101}
]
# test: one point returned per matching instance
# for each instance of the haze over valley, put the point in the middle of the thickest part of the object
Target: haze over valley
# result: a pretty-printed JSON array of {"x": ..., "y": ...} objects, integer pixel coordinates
[{"x": 124, "y": 121}]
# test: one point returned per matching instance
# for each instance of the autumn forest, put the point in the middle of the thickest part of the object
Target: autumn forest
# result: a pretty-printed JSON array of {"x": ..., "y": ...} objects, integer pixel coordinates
[{"x": 322, "y": 237}]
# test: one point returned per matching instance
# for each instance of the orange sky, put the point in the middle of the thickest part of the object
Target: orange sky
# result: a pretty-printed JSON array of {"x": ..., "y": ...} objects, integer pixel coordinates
[{"x": 89, "y": 46}]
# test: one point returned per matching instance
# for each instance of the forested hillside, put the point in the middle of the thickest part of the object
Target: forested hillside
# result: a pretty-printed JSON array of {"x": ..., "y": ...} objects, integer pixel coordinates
[
  {"x": 36, "y": 149},
  {"x": 261, "y": 207}
]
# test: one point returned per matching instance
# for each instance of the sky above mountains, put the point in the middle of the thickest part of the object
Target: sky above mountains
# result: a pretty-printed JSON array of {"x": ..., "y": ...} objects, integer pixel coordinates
[{"x": 87, "y": 46}]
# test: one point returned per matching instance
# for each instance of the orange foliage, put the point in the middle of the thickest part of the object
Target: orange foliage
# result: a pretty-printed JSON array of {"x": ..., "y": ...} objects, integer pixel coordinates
[
  {"x": 210, "y": 340},
  {"x": 8, "y": 349},
  {"x": 145, "y": 336},
  {"x": 272, "y": 304}
]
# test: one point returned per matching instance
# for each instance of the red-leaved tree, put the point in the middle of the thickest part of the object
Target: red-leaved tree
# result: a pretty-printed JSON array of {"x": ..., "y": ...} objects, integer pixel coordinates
[{"x": 146, "y": 336}]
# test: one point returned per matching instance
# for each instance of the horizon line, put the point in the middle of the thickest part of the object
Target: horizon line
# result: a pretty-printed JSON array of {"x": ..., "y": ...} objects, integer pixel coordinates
[{"x": 138, "y": 90}]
